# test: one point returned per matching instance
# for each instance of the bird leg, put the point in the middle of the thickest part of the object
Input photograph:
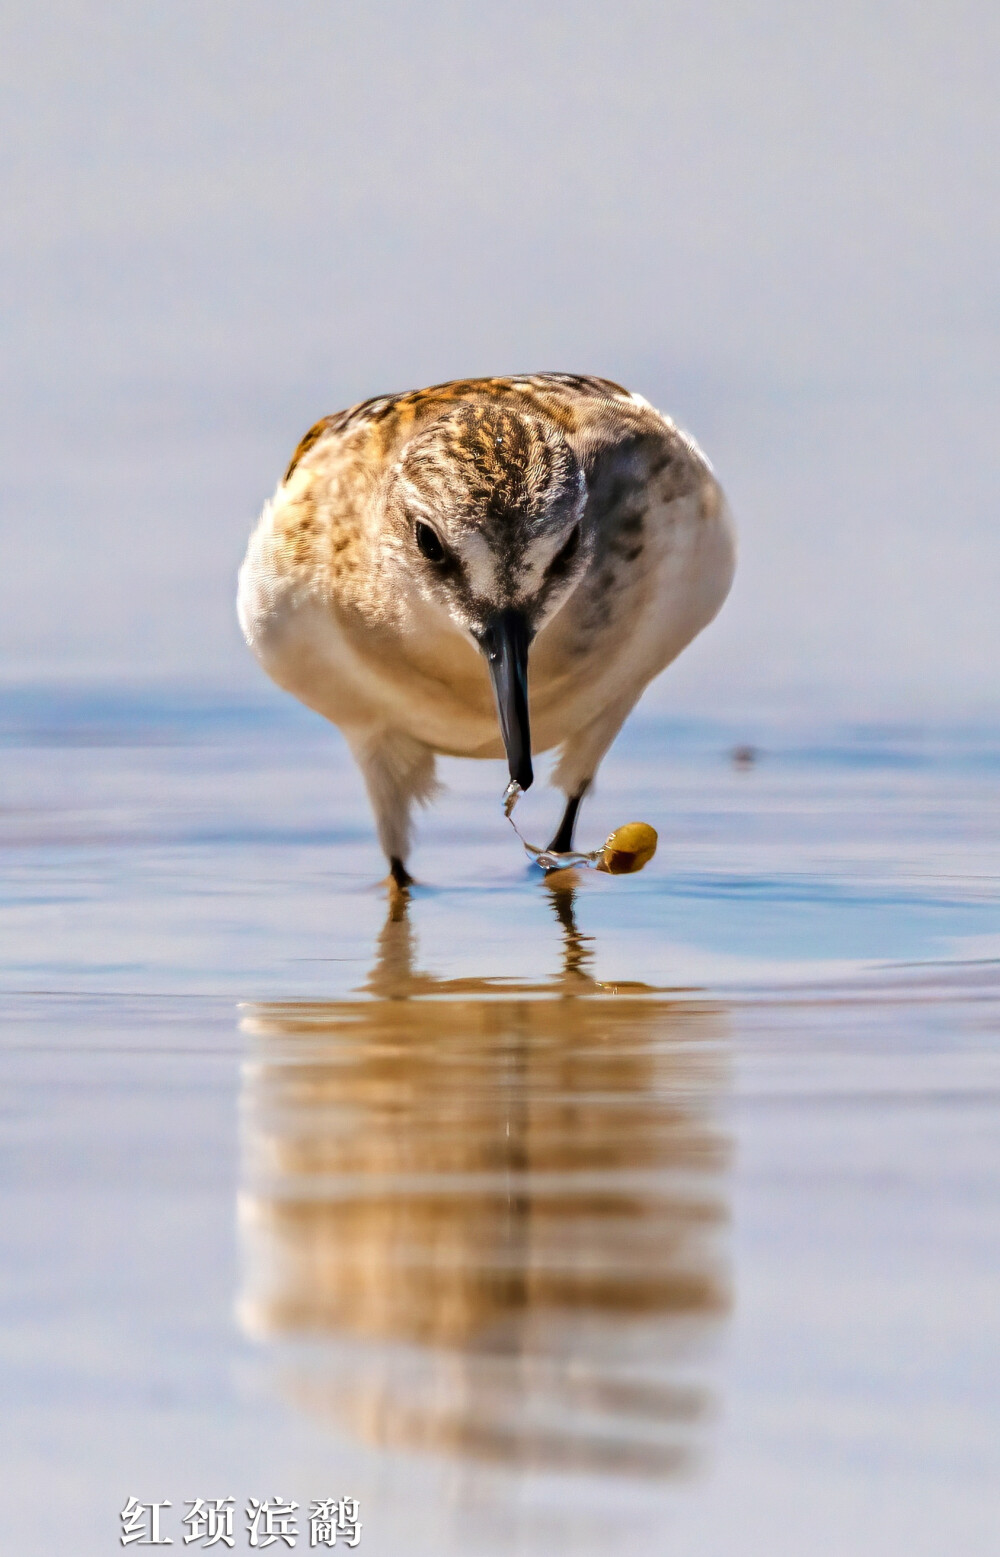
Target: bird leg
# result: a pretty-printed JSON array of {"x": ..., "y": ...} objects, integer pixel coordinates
[
  {"x": 579, "y": 761},
  {"x": 562, "y": 842},
  {"x": 398, "y": 773}
]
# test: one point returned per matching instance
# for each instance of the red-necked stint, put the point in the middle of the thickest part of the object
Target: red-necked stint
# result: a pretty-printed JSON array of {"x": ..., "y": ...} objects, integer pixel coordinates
[{"x": 551, "y": 534}]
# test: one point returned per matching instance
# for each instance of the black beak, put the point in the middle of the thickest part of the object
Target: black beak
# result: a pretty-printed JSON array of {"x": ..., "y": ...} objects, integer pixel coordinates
[{"x": 505, "y": 644}]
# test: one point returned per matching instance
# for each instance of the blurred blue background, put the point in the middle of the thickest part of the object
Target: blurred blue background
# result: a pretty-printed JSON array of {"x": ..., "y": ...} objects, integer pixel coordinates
[{"x": 778, "y": 221}]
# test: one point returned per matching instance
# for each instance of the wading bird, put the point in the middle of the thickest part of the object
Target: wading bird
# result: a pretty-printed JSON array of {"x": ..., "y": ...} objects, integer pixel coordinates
[{"x": 551, "y": 534}]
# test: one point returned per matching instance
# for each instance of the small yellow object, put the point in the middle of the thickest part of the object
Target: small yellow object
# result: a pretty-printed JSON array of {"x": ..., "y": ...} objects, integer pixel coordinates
[{"x": 628, "y": 849}]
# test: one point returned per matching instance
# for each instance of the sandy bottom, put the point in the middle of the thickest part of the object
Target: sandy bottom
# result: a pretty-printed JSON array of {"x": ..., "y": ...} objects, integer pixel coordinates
[{"x": 656, "y": 1214}]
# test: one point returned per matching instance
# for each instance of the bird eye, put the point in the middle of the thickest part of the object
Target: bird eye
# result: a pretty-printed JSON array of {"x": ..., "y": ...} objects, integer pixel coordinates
[
  {"x": 429, "y": 543},
  {"x": 564, "y": 556}
]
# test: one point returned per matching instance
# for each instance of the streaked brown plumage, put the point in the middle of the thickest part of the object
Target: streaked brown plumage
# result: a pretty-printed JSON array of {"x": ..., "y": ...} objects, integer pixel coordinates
[{"x": 415, "y": 534}]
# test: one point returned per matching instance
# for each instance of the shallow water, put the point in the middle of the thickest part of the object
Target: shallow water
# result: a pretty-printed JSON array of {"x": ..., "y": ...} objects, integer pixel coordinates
[{"x": 657, "y": 1214}]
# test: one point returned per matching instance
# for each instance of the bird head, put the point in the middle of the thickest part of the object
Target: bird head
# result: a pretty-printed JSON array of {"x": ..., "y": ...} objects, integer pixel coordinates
[{"x": 486, "y": 508}]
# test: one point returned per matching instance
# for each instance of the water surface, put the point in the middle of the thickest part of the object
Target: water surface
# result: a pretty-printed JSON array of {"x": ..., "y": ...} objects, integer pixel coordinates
[{"x": 656, "y": 1213}]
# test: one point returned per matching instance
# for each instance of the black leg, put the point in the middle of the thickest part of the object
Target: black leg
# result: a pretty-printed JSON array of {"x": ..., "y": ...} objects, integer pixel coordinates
[
  {"x": 563, "y": 840},
  {"x": 399, "y": 873}
]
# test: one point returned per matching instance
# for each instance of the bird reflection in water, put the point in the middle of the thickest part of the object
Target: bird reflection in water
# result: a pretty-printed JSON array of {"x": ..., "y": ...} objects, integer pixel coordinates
[{"x": 488, "y": 1217}]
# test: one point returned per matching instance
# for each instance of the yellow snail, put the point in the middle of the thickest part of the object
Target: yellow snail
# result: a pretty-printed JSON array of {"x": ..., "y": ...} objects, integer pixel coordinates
[{"x": 627, "y": 850}]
